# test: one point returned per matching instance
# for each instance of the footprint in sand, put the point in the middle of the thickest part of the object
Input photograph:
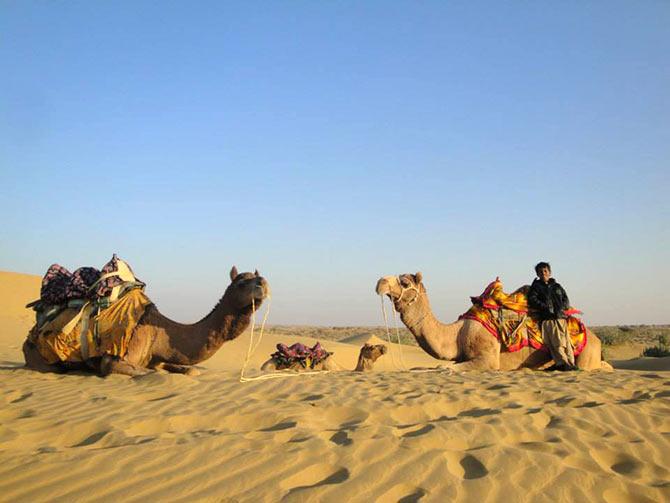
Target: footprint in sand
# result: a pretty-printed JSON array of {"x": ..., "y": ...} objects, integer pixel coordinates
[
  {"x": 473, "y": 468},
  {"x": 403, "y": 493},
  {"x": 281, "y": 426},
  {"x": 341, "y": 438},
  {"x": 314, "y": 476},
  {"x": 419, "y": 432},
  {"x": 13, "y": 398},
  {"x": 478, "y": 412},
  {"x": 626, "y": 466},
  {"x": 312, "y": 398},
  {"x": 91, "y": 439}
]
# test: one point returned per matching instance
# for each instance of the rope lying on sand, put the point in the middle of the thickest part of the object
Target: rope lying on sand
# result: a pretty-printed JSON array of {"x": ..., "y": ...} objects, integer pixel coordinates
[
  {"x": 399, "y": 365},
  {"x": 403, "y": 367},
  {"x": 250, "y": 351}
]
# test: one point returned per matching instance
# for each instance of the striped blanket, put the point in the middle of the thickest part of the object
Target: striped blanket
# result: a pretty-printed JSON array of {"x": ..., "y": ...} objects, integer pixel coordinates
[{"x": 507, "y": 318}]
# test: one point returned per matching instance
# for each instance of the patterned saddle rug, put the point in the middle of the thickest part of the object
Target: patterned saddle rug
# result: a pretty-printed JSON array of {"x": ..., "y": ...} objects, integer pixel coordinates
[
  {"x": 507, "y": 318},
  {"x": 288, "y": 356}
]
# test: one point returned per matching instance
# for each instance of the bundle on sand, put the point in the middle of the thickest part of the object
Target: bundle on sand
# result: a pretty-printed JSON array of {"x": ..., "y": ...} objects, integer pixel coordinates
[
  {"x": 287, "y": 356},
  {"x": 510, "y": 321}
]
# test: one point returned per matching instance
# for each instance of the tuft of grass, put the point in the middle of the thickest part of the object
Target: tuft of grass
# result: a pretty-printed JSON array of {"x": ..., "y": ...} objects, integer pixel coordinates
[
  {"x": 659, "y": 350},
  {"x": 623, "y": 334}
]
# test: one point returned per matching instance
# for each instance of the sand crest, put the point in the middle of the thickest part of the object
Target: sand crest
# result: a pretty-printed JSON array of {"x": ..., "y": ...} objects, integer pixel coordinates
[{"x": 380, "y": 436}]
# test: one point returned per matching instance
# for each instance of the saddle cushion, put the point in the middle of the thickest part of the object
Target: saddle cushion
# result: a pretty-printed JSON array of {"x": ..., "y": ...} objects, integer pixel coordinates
[{"x": 507, "y": 318}]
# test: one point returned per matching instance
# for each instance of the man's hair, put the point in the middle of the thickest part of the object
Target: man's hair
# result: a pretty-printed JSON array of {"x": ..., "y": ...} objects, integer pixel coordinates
[{"x": 541, "y": 265}]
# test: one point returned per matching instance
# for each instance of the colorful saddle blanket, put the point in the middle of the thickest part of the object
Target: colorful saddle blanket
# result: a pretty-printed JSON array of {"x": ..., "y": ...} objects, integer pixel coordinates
[
  {"x": 76, "y": 335},
  {"x": 288, "y": 356},
  {"x": 60, "y": 285},
  {"x": 508, "y": 319}
]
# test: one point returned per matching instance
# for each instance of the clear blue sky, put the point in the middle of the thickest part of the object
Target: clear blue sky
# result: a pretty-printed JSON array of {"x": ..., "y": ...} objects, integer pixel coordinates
[{"x": 330, "y": 143}]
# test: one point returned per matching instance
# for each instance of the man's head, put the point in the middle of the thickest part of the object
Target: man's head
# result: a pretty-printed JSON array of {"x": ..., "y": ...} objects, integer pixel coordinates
[{"x": 543, "y": 271}]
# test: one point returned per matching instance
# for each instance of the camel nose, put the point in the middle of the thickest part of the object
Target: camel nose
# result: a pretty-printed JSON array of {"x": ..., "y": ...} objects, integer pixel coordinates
[
  {"x": 382, "y": 287},
  {"x": 263, "y": 284}
]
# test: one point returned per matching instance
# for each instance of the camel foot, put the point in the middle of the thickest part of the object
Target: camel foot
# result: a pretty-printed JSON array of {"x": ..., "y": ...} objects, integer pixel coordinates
[
  {"x": 179, "y": 369},
  {"x": 112, "y": 365},
  {"x": 34, "y": 360}
]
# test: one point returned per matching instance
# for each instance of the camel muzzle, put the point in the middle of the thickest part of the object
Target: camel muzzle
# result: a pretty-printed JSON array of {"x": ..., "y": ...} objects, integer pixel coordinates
[{"x": 383, "y": 288}]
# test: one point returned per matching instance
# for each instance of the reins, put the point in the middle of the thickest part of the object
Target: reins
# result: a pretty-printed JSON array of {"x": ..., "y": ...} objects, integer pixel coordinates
[
  {"x": 415, "y": 324},
  {"x": 252, "y": 349}
]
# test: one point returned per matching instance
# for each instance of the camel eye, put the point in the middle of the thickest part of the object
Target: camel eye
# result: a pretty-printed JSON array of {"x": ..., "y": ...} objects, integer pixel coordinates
[{"x": 404, "y": 281}]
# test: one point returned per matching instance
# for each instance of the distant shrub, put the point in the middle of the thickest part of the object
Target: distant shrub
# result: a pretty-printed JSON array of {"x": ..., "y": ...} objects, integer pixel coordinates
[
  {"x": 659, "y": 350},
  {"x": 609, "y": 336}
]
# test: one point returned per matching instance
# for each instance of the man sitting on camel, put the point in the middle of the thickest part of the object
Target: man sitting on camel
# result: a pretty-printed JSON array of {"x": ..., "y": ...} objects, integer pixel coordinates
[{"x": 549, "y": 302}]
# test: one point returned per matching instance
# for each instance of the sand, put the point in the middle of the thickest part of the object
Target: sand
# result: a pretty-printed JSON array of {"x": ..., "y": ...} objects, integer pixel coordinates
[{"x": 380, "y": 436}]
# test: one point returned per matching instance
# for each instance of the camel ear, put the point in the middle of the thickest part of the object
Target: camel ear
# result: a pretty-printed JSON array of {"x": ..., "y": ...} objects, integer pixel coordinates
[
  {"x": 256, "y": 273},
  {"x": 233, "y": 273},
  {"x": 418, "y": 277}
]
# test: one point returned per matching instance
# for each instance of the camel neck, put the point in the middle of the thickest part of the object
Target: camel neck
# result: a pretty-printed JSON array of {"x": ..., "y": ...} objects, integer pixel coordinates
[
  {"x": 363, "y": 364},
  {"x": 434, "y": 337},
  {"x": 191, "y": 344}
]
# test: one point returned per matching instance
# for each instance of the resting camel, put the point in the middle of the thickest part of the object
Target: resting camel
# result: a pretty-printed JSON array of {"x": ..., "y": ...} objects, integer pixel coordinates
[
  {"x": 467, "y": 342},
  {"x": 160, "y": 343},
  {"x": 366, "y": 360}
]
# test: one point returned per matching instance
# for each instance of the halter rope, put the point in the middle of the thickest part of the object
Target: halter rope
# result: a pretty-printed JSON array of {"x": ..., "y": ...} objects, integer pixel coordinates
[{"x": 402, "y": 292}]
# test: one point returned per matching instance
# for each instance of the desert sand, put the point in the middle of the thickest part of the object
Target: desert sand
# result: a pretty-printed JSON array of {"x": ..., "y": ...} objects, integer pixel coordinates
[{"x": 387, "y": 435}]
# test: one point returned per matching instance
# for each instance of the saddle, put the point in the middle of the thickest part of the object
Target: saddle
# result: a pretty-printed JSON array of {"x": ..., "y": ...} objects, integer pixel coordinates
[
  {"x": 87, "y": 313},
  {"x": 287, "y": 356}
]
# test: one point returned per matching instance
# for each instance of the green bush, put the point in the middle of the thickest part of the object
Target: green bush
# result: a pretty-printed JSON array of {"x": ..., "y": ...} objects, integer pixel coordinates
[{"x": 659, "y": 350}]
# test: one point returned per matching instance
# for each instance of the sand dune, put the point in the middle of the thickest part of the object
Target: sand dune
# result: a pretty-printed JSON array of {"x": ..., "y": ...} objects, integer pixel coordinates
[{"x": 380, "y": 436}]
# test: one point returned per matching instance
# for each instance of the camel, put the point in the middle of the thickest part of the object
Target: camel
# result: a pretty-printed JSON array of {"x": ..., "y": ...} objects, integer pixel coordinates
[
  {"x": 160, "y": 343},
  {"x": 366, "y": 359},
  {"x": 467, "y": 342}
]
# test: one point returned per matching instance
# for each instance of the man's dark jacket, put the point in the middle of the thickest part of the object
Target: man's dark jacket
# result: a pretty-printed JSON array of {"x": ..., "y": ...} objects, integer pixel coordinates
[{"x": 549, "y": 300}]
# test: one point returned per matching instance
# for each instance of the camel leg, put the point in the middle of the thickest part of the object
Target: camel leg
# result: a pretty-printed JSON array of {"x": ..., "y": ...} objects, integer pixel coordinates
[
  {"x": 113, "y": 365},
  {"x": 269, "y": 365},
  {"x": 589, "y": 359},
  {"x": 35, "y": 361},
  {"x": 481, "y": 351},
  {"x": 178, "y": 369}
]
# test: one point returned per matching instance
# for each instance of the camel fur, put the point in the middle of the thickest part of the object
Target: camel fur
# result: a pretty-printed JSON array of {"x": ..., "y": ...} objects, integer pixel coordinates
[
  {"x": 366, "y": 359},
  {"x": 160, "y": 343},
  {"x": 467, "y": 342}
]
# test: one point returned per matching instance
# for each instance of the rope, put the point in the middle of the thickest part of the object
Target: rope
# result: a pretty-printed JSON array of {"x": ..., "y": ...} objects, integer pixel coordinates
[
  {"x": 252, "y": 349},
  {"x": 397, "y": 335},
  {"x": 388, "y": 336},
  {"x": 405, "y": 369}
]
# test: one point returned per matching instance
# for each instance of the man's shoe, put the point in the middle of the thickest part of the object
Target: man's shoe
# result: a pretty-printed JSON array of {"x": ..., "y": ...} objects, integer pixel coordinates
[{"x": 555, "y": 366}]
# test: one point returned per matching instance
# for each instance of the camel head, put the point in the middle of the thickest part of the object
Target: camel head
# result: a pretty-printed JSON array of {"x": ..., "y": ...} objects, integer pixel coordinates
[
  {"x": 247, "y": 288},
  {"x": 403, "y": 290},
  {"x": 372, "y": 352}
]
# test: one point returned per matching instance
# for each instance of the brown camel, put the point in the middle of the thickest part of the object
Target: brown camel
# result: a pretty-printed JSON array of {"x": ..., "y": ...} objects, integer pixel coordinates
[
  {"x": 160, "y": 343},
  {"x": 366, "y": 360},
  {"x": 466, "y": 342}
]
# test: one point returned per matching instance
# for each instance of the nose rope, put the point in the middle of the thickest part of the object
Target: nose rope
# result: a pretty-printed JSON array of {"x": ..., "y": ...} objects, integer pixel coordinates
[
  {"x": 447, "y": 370},
  {"x": 397, "y": 334},
  {"x": 388, "y": 336}
]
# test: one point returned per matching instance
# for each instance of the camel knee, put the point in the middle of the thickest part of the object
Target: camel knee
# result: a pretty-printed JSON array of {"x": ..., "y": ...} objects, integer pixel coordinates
[
  {"x": 269, "y": 365},
  {"x": 35, "y": 361}
]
